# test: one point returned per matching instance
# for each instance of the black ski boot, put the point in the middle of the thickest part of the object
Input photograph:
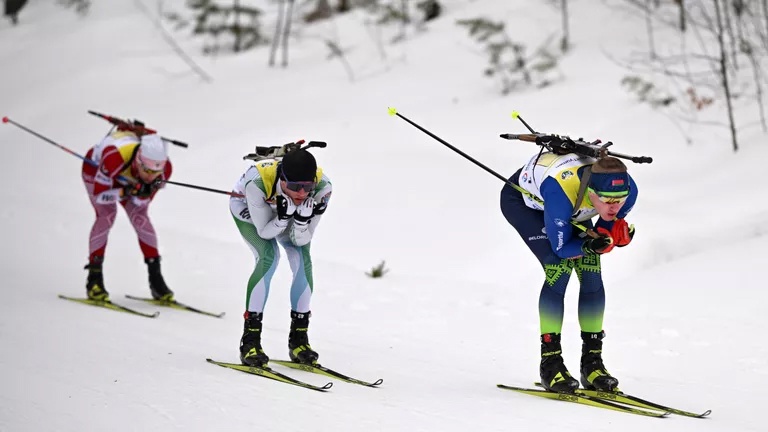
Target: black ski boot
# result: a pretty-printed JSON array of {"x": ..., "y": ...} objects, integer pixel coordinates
[
  {"x": 554, "y": 375},
  {"x": 94, "y": 287},
  {"x": 298, "y": 341},
  {"x": 157, "y": 286},
  {"x": 593, "y": 373},
  {"x": 251, "y": 353}
]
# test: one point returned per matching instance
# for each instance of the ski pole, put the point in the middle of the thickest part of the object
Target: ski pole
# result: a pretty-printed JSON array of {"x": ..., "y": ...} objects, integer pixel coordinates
[
  {"x": 393, "y": 112},
  {"x": 95, "y": 164},
  {"x": 48, "y": 140},
  {"x": 233, "y": 194}
]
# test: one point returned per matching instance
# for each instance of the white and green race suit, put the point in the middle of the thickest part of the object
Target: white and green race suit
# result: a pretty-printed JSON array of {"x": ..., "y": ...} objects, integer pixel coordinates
[{"x": 256, "y": 218}]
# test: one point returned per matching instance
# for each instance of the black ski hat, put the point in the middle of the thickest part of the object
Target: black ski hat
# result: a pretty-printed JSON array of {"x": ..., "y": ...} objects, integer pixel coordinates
[{"x": 299, "y": 165}]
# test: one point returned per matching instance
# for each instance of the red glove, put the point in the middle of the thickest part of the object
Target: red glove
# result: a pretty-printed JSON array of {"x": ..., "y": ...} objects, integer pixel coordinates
[{"x": 622, "y": 233}]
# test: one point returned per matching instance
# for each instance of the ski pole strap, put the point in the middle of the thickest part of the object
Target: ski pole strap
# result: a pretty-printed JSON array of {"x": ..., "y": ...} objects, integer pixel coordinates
[{"x": 582, "y": 188}]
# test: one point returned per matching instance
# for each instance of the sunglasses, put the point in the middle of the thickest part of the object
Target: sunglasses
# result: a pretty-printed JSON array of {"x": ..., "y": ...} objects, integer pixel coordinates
[
  {"x": 150, "y": 171},
  {"x": 611, "y": 197},
  {"x": 306, "y": 186},
  {"x": 296, "y": 186}
]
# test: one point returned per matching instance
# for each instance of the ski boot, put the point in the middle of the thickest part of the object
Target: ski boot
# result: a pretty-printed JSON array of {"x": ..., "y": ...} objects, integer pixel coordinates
[
  {"x": 251, "y": 353},
  {"x": 157, "y": 286},
  {"x": 94, "y": 287},
  {"x": 593, "y": 373},
  {"x": 298, "y": 341},
  {"x": 554, "y": 375}
]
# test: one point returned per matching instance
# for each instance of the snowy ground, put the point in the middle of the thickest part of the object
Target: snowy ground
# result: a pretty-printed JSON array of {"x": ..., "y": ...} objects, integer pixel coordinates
[{"x": 458, "y": 311}]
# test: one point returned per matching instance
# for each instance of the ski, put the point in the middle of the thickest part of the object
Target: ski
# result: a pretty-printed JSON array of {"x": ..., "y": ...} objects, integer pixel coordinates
[
  {"x": 173, "y": 304},
  {"x": 623, "y": 398},
  {"x": 584, "y": 400},
  {"x": 109, "y": 305},
  {"x": 266, "y": 372},
  {"x": 322, "y": 370}
]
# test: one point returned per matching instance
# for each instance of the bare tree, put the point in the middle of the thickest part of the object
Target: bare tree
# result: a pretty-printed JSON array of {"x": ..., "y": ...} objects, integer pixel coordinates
[
  {"x": 765, "y": 15},
  {"x": 649, "y": 28},
  {"x": 282, "y": 31},
  {"x": 276, "y": 38},
  {"x": 723, "y": 61},
  {"x": 564, "y": 42},
  {"x": 681, "y": 7},
  {"x": 287, "y": 31}
]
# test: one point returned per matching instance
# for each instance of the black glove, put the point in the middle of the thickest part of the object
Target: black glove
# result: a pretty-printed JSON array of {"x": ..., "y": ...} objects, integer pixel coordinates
[
  {"x": 599, "y": 245},
  {"x": 285, "y": 207},
  {"x": 141, "y": 189}
]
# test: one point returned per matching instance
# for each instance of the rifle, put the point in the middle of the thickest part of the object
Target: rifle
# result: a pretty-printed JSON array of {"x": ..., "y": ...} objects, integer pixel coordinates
[
  {"x": 561, "y": 144},
  {"x": 278, "y": 152},
  {"x": 135, "y": 126}
]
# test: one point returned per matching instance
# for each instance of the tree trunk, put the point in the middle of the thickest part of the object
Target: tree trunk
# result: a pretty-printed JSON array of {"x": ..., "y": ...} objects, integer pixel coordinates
[
  {"x": 236, "y": 27},
  {"x": 406, "y": 19},
  {"x": 758, "y": 84},
  {"x": 681, "y": 5},
  {"x": 343, "y": 6},
  {"x": 276, "y": 39},
  {"x": 564, "y": 43},
  {"x": 723, "y": 60},
  {"x": 765, "y": 14},
  {"x": 729, "y": 28},
  {"x": 287, "y": 31},
  {"x": 649, "y": 28}
]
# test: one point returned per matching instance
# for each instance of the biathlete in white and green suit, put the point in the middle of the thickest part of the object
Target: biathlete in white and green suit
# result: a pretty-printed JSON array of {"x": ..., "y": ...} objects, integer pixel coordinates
[{"x": 283, "y": 202}]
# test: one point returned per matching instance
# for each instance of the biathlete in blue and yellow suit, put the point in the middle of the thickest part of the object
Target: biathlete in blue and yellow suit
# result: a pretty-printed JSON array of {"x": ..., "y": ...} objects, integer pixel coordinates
[{"x": 556, "y": 193}]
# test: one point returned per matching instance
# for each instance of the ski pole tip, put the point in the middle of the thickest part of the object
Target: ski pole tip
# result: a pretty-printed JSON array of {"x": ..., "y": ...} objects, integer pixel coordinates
[
  {"x": 6, "y": 120},
  {"x": 392, "y": 111},
  {"x": 515, "y": 115}
]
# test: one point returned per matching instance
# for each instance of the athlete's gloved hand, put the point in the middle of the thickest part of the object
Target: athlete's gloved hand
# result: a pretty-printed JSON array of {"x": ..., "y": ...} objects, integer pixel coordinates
[
  {"x": 304, "y": 211},
  {"x": 600, "y": 245},
  {"x": 141, "y": 189},
  {"x": 285, "y": 208},
  {"x": 621, "y": 233}
]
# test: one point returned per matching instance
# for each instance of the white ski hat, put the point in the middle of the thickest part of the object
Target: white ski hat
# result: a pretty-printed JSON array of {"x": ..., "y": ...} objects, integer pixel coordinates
[{"x": 153, "y": 152}]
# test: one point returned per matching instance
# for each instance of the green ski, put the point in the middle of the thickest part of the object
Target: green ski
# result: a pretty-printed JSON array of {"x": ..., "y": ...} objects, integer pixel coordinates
[
  {"x": 173, "y": 304},
  {"x": 584, "y": 400},
  {"x": 322, "y": 370},
  {"x": 266, "y": 372},
  {"x": 623, "y": 398},
  {"x": 109, "y": 305}
]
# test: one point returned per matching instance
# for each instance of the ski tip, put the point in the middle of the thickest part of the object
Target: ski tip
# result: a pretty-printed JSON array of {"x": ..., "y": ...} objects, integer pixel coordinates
[
  {"x": 705, "y": 413},
  {"x": 377, "y": 382},
  {"x": 327, "y": 386},
  {"x": 392, "y": 111}
]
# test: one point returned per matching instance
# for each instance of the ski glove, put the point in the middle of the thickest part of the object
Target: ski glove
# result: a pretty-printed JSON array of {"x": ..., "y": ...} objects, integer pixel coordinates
[
  {"x": 622, "y": 233},
  {"x": 304, "y": 211},
  {"x": 285, "y": 207},
  {"x": 600, "y": 245},
  {"x": 140, "y": 189}
]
